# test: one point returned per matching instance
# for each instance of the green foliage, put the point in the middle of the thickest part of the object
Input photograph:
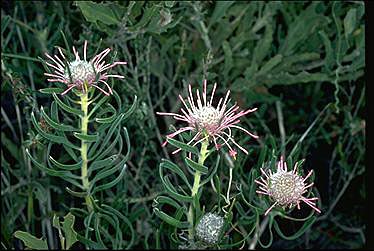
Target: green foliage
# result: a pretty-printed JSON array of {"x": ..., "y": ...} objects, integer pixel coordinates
[
  {"x": 70, "y": 236},
  {"x": 31, "y": 241},
  {"x": 307, "y": 57},
  {"x": 98, "y": 12}
]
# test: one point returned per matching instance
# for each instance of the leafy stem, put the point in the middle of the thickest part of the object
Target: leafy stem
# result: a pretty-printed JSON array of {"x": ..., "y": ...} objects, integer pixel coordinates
[
  {"x": 194, "y": 206},
  {"x": 259, "y": 231},
  {"x": 84, "y": 148}
]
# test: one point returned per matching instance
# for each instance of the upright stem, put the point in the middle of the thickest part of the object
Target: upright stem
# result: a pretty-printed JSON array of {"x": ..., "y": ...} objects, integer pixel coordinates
[
  {"x": 229, "y": 188},
  {"x": 195, "y": 187},
  {"x": 258, "y": 233},
  {"x": 84, "y": 126}
]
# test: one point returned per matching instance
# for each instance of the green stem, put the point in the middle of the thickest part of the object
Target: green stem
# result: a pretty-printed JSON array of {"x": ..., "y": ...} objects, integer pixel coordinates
[
  {"x": 84, "y": 171},
  {"x": 30, "y": 210},
  {"x": 195, "y": 188}
]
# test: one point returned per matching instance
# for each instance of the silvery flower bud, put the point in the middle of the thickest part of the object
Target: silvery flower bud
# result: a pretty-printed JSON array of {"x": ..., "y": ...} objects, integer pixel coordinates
[{"x": 209, "y": 228}]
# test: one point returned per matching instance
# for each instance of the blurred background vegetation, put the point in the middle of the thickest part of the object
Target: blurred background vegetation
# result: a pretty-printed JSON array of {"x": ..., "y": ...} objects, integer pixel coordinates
[{"x": 290, "y": 59}]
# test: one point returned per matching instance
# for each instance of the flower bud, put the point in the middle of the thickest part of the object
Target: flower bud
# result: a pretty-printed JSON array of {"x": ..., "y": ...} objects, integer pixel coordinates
[{"x": 209, "y": 228}]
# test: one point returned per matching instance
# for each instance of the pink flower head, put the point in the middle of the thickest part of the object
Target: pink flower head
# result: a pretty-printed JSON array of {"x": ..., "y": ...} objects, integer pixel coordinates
[
  {"x": 205, "y": 120},
  {"x": 285, "y": 188},
  {"x": 81, "y": 72}
]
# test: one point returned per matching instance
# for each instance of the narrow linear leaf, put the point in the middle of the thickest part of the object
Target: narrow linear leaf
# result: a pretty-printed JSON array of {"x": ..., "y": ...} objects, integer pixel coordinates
[
  {"x": 183, "y": 146},
  {"x": 66, "y": 175},
  {"x": 173, "y": 167},
  {"x": 196, "y": 166},
  {"x": 107, "y": 162},
  {"x": 97, "y": 230},
  {"x": 51, "y": 171},
  {"x": 98, "y": 105},
  {"x": 170, "y": 220},
  {"x": 67, "y": 50},
  {"x": 65, "y": 166},
  {"x": 54, "y": 115},
  {"x": 66, "y": 107},
  {"x": 112, "y": 183},
  {"x": 126, "y": 220},
  {"x": 118, "y": 101},
  {"x": 296, "y": 235},
  {"x": 87, "y": 137},
  {"x": 103, "y": 143},
  {"x": 269, "y": 65},
  {"x": 51, "y": 137},
  {"x": 127, "y": 139},
  {"x": 172, "y": 191},
  {"x": 112, "y": 219},
  {"x": 108, "y": 109},
  {"x": 131, "y": 109},
  {"x": 106, "y": 172},
  {"x": 263, "y": 45},
  {"x": 89, "y": 242},
  {"x": 74, "y": 193},
  {"x": 350, "y": 22},
  {"x": 51, "y": 90},
  {"x": 329, "y": 52},
  {"x": 220, "y": 10},
  {"x": 117, "y": 141},
  {"x": 212, "y": 173},
  {"x": 10, "y": 146},
  {"x": 270, "y": 235},
  {"x": 166, "y": 200},
  {"x": 54, "y": 124},
  {"x": 228, "y": 57},
  {"x": 87, "y": 223},
  {"x": 308, "y": 130},
  {"x": 107, "y": 120}
]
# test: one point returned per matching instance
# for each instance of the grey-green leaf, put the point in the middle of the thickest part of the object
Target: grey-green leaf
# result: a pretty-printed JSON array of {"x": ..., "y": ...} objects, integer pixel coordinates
[
  {"x": 196, "y": 166},
  {"x": 51, "y": 137},
  {"x": 54, "y": 124},
  {"x": 51, "y": 90},
  {"x": 94, "y": 12},
  {"x": 170, "y": 220},
  {"x": 31, "y": 241},
  {"x": 220, "y": 10},
  {"x": 86, "y": 137},
  {"x": 173, "y": 167},
  {"x": 65, "y": 106},
  {"x": 56, "y": 224},
  {"x": 183, "y": 146},
  {"x": 70, "y": 234},
  {"x": 350, "y": 22}
]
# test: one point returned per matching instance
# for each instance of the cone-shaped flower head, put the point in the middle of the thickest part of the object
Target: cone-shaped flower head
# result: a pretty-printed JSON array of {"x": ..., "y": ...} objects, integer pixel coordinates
[
  {"x": 206, "y": 120},
  {"x": 81, "y": 72},
  {"x": 285, "y": 188},
  {"x": 209, "y": 228}
]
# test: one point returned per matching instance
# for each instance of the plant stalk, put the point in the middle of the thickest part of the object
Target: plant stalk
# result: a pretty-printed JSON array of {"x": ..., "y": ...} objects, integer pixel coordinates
[
  {"x": 84, "y": 148},
  {"x": 258, "y": 233},
  {"x": 195, "y": 188}
]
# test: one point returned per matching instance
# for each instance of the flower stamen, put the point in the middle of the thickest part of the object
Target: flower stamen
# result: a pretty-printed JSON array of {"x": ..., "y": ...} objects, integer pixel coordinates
[
  {"x": 82, "y": 73},
  {"x": 205, "y": 119},
  {"x": 285, "y": 188}
]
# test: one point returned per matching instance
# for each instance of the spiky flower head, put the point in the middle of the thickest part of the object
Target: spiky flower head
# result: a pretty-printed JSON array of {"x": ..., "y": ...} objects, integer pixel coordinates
[
  {"x": 81, "y": 73},
  {"x": 209, "y": 228},
  {"x": 206, "y": 120},
  {"x": 285, "y": 188}
]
